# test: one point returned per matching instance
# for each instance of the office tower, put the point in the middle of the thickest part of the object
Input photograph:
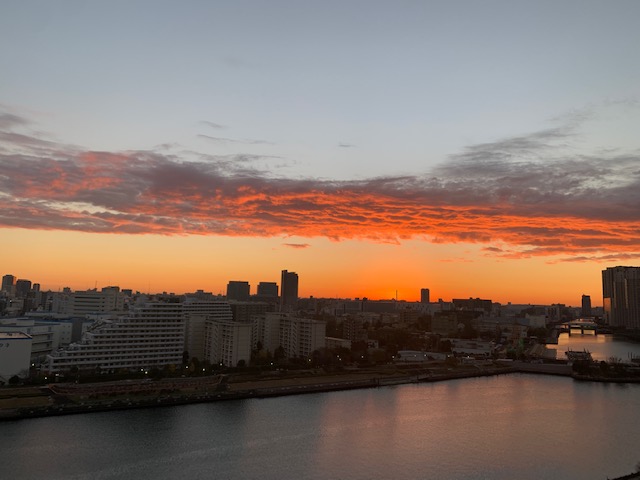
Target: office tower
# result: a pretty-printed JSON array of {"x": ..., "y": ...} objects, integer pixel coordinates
[
  {"x": 8, "y": 282},
  {"x": 288, "y": 290},
  {"x": 237, "y": 290},
  {"x": 621, "y": 296},
  {"x": 586, "y": 306},
  {"x": 268, "y": 290},
  {"x": 424, "y": 295},
  {"x": 22, "y": 287}
]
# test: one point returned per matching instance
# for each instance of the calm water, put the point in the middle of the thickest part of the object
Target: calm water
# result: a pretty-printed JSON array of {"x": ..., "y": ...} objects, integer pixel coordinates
[{"x": 506, "y": 427}]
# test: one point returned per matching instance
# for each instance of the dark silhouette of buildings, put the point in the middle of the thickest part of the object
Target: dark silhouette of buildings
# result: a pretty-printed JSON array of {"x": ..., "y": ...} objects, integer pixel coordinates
[
  {"x": 585, "y": 311},
  {"x": 238, "y": 290},
  {"x": 621, "y": 296},
  {"x": 267, "y": 291},
  {"x": 288, "y": 290},
  {"x": 424, "y": 295}
]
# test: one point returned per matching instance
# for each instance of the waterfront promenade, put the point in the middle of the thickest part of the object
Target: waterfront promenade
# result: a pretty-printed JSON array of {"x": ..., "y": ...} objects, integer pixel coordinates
[{"x": 71, "y": 398}]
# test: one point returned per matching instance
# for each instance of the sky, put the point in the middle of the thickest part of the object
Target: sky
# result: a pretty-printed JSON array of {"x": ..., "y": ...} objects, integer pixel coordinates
[{"x": 479, "y": 149}]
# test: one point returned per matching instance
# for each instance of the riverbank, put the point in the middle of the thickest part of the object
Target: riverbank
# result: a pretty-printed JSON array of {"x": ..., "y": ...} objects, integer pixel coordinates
[{"x": 70, "y": 398}]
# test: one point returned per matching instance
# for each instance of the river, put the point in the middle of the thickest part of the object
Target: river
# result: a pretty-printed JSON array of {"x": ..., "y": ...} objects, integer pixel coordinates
[{"x": 503, "y": 427}]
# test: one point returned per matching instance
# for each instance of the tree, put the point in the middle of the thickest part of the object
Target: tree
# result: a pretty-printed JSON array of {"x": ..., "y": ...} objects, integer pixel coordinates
[{"x": 15, "y": 380}]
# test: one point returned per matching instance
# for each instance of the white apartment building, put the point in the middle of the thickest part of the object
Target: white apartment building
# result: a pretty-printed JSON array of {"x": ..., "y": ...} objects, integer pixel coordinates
[
  {"x": 227, "y": 342},
  {"x": 196, "y": 314},
  {"x": 150, "y": 335},
  {"x": 298, "y": 336}
]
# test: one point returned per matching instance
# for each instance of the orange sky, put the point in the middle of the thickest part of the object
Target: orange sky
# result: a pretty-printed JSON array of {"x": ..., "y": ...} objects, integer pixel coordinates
[{"x": 350, "y": 268}]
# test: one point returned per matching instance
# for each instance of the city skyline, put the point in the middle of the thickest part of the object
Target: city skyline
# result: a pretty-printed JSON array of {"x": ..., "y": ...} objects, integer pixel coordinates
[{"x": 485, "y": 150}]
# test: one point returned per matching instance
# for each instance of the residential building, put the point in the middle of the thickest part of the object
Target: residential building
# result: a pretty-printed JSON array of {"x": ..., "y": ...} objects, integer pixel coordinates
[
  {"x": 227, "y": 342},
  {"x": 150, "y": 335},
  {"x": 196, "y": 314},
  {"x": 621, "y": 296}
]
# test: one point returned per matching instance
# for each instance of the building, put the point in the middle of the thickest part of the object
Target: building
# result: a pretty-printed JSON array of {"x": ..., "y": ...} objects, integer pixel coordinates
[
  {"x": 621, "y": 296},
  {"x": 23, "y": 287},
  {"x": 227, "y": 343},
  {"x": 267, "y": 292},
  {"x": 150, "y": 335},
  {"x": 585, "y": 311},
  {"x": 15, "y": 355},
  {"x": 109, "y": 299},
  {"x": 238, "y": 290},
  {"x": 245, "y": 311},
  {"x": 288, "y": 290},
  {"x": 196, "y": 315},
  {"x": 8, "y": 284},
  {"x": 424, "y": 295},
  {"x": 299, "y": 337},
  {"x": 45, "y": 336}
]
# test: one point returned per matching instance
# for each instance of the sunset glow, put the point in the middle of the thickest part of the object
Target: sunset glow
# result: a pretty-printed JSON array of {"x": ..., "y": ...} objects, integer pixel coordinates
[{"x": 109, "y": 179}]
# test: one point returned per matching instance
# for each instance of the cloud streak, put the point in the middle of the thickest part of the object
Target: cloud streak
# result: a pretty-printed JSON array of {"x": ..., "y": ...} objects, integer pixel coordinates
[{"x": 522, "y": 197}]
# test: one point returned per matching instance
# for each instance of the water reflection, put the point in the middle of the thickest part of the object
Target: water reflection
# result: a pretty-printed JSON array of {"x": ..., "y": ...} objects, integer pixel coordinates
[
  {"x": 602, "y": 347},
  {"x": 509, "y": 426}
]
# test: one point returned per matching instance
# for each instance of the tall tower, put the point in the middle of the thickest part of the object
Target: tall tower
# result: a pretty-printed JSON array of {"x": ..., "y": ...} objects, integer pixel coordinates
[
  {"x": 288, "y": 290},
  {"x": 586, "y": 306},
  {"x": 424, "y": 295},
  {"x": 621, "y": 296}
]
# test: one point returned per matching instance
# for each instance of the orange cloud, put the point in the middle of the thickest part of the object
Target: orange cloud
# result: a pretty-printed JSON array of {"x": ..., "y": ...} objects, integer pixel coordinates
[{"x": 497, "y": 194}]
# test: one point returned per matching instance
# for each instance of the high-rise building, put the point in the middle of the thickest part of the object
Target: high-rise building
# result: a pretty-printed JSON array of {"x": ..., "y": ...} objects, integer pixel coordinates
[
  {"x": 267, "y": 291},
  {"x": 585, "y": 311},
  {"x": 237, "y": 290},
  {"x": 8, "y": 282},
  {"x": 621, "y": 296},
  {"x": 288, "y": 290},
  {"x": 23, "y": 287},
  {"x": 424, "y": 295}
]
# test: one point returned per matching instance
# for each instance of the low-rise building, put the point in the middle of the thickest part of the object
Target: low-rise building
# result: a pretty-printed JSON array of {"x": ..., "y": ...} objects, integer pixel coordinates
[{"x": 15, "y": 355}]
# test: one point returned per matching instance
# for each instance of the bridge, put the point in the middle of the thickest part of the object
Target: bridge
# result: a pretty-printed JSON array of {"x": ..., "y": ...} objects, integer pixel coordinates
[{"x": 582, "y": 325}]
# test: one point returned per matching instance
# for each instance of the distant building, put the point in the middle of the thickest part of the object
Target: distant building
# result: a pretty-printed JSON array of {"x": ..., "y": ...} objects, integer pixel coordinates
[
  {"x": 473, "y": 305},
  {"x": 23, "y": 287},
  {"x": 288, "y": 290},
  {"x": 8, "y": 284},
  {"x": 85, "y": 302},
  {"x": 299, "y": 337},
  {"x": 424, "y": 295},
  {"x": 621, "y": 296},
  {"x": 238, "y": 290},
  {"x": 15, "y": 355},
  {"x": 244, "y": 311},
  {"x": 585, "y": 311},
  {"x": 267, "y": 291}
]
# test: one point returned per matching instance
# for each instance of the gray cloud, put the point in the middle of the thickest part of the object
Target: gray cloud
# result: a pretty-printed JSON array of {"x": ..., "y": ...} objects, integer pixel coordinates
[{"x": 529, "y": 194}]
